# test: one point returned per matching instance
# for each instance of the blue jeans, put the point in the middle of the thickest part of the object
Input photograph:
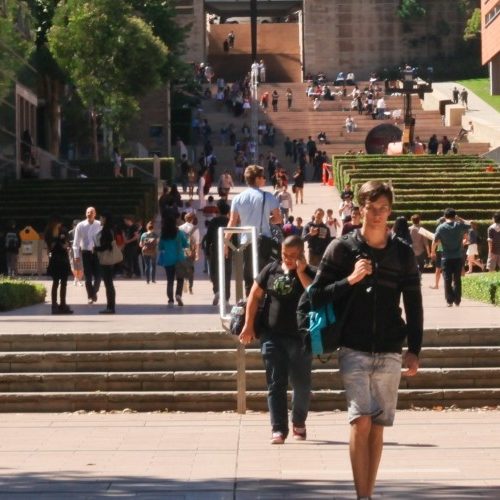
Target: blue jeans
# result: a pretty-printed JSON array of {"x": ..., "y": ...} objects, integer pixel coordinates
[
  {"x": 286, "y": 358},
  {"x": 452, "y": 277},
  {"x": 150, "y": 267}
]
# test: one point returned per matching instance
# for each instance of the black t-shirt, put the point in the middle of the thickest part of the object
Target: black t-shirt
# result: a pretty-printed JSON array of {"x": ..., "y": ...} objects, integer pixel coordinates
[
  {"x": 319, "y": 242},
  {"x": 283, "y": 292}
]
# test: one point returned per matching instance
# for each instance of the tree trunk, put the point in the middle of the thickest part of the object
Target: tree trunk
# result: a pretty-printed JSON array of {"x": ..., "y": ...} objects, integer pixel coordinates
[{"x": 93, "y": 117}]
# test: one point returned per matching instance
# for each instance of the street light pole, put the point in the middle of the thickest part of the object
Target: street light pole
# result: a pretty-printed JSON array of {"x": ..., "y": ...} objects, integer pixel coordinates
[
  {"x": 253, "y": 28},
  {"x": 253, "y": 82}
]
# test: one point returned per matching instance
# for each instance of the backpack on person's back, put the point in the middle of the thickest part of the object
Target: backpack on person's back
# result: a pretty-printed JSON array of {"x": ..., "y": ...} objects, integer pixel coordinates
[{"x": 149, "y": 245}]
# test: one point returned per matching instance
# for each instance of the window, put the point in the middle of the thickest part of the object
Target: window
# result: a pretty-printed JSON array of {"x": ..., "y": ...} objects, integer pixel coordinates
[{"x": 492, "y": 14}]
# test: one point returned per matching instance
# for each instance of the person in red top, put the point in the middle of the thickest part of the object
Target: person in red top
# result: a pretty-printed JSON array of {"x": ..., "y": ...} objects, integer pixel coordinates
[{"x": 210, "y": 210}]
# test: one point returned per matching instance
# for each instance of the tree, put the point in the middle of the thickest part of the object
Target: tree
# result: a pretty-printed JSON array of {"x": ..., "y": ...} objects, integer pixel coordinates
[
  {"x": 160, "y": 16},
  {"x": 473, "y": 26},
  {"x": 15, "y": 42},
  {"x": 111, "y": 55},
  {"x": 409, "y": 10}
]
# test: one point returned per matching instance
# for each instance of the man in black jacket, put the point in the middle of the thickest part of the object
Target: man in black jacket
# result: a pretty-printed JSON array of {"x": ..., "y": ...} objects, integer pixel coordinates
[{"x": 364, "y": 274}]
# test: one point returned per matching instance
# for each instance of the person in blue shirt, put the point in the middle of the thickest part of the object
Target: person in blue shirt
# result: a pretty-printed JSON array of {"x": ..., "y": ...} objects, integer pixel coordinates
[
  {"x": 450, "y": 234},
  {"x": 258, "y": 208}
]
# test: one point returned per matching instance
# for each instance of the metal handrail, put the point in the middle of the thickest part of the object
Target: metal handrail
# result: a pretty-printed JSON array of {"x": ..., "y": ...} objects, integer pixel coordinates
[
  {"x": 241, "y": 403},
  {"x": 224, "y": 314}
]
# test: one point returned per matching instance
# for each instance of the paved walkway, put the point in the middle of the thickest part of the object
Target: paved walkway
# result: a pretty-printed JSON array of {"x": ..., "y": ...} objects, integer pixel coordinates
[
  {"x": 142, "y": 307},
  {"x": 477, "y": 107},
  {"x": 207, "y": 456},
  {"x": 203, "y": 456}
]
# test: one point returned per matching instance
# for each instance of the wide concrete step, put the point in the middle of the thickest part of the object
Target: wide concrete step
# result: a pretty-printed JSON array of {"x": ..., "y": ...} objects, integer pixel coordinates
[
  {"x": 201, "y": 340},
  {"x": 222, "y": 401},
  {"x": 207, "y": 359},
  {"x": 323, "y": 379}
]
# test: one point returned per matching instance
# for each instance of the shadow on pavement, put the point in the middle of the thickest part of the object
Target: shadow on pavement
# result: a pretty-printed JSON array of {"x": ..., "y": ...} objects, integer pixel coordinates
[{"x": 45, "y": 486}]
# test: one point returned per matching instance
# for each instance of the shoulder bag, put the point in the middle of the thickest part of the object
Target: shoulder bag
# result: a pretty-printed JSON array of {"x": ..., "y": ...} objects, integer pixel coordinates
[{"x": 110, "y": 257}]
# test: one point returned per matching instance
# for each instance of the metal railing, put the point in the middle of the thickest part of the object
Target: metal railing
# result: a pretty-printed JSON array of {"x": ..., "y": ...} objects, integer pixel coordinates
[{"x": 237, "y": 252}]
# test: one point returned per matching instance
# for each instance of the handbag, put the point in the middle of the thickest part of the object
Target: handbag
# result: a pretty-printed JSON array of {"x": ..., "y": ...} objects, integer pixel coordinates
[
  {"x": 183, "y": 263},
  {"x": 110, "y": 257},
  {"x": 238, "y": 314}
]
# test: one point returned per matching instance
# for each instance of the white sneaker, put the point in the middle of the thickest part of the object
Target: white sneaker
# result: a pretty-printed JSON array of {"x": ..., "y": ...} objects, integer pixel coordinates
[{"x": 277, "y": 438}]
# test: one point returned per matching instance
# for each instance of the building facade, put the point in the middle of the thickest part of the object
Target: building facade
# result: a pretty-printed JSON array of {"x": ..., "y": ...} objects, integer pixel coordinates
[{"x": 490, "y": 41}]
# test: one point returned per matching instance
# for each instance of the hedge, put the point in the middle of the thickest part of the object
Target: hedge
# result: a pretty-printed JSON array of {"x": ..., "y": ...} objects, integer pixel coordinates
[
  {"x": 483, "y": 287},
  {"x": 18, "y": 293}
]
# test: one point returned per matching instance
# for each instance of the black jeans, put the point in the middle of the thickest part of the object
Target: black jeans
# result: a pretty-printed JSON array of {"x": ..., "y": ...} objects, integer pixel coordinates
[
  {"x": 62, "y": 292},
  {"x": 286, "y": 358},
  {"x": 213, "y": 267},
  {"x": 131, "y": 260},
  {"x": 170, "y": 271},
  {"x": 452, "y": 276},
  {"x": 107, "y": 273},
  {"x": 92, "y": 273}
]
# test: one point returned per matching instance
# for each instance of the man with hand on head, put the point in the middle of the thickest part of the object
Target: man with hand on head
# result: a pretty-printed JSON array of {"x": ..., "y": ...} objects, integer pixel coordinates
[{"x": 280, "y": 285}]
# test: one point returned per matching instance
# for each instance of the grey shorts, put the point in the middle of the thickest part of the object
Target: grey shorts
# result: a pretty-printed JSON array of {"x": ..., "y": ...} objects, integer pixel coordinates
[
  {"x": 371, "y": 384},
  {"x": 493, "y": 262}
]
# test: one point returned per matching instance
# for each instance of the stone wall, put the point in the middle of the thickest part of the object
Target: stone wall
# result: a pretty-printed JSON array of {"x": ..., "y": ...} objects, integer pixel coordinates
[
  {"x": 363, "y": 35},
  {"x": 193, "y": 14}
]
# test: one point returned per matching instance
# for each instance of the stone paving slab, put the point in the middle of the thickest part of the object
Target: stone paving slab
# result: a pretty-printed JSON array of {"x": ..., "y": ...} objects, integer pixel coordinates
[{"x": 428, "y": 455}]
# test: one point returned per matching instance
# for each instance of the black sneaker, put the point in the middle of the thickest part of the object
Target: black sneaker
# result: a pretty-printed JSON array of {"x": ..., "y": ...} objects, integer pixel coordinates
[{"x": 107, "y": 311}]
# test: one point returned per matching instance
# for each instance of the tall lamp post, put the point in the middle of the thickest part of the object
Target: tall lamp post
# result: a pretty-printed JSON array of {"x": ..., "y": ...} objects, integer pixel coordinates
[{"x": 253, "y": 85}]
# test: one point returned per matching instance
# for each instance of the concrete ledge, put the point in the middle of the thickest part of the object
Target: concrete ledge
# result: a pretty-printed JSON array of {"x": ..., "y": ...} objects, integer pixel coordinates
[
  {"x": 453, "y": 115},
  {"x": 326, "y": 400}
]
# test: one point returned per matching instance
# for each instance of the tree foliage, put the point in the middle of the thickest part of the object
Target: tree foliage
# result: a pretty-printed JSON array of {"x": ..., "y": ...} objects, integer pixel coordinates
[
  {"x": 111, "y": 55},
  {"x": 409, "y": 10},
  {"x": 473, "y": 26},
  {"x": 15, "y": 42}
]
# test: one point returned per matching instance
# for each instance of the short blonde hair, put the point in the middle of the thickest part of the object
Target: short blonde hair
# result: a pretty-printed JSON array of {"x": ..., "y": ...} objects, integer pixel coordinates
[{"x": 251, "y": 174}]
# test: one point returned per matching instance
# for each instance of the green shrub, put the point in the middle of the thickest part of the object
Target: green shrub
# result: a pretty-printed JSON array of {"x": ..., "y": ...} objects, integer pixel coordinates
[
  {"x": 483, "y": 287},
  {"x": 18, "y": 293}
]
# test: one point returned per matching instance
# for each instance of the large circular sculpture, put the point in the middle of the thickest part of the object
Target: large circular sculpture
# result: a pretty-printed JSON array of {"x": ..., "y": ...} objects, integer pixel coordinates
[{"x": 379, "y": 137}]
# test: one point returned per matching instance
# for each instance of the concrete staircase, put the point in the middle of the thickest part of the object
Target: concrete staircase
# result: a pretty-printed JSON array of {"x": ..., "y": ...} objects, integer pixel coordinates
[
  {"x": 277, "y": 45},
  {"x": 302, "y": 121},
  {"x": 197, "y": 372}
]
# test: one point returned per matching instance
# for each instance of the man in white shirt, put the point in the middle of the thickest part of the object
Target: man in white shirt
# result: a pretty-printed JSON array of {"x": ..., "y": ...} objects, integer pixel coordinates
[
  {"x": 381, "y": 108},
  {"x": 83, "y": 248},
  {"x": 254, "y": 73}
]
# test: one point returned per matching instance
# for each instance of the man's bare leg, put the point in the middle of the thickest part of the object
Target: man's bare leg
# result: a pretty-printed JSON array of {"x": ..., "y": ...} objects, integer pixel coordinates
[
  {"x": 365, "y": 448},
  {"x": 376, "y": 443}
]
